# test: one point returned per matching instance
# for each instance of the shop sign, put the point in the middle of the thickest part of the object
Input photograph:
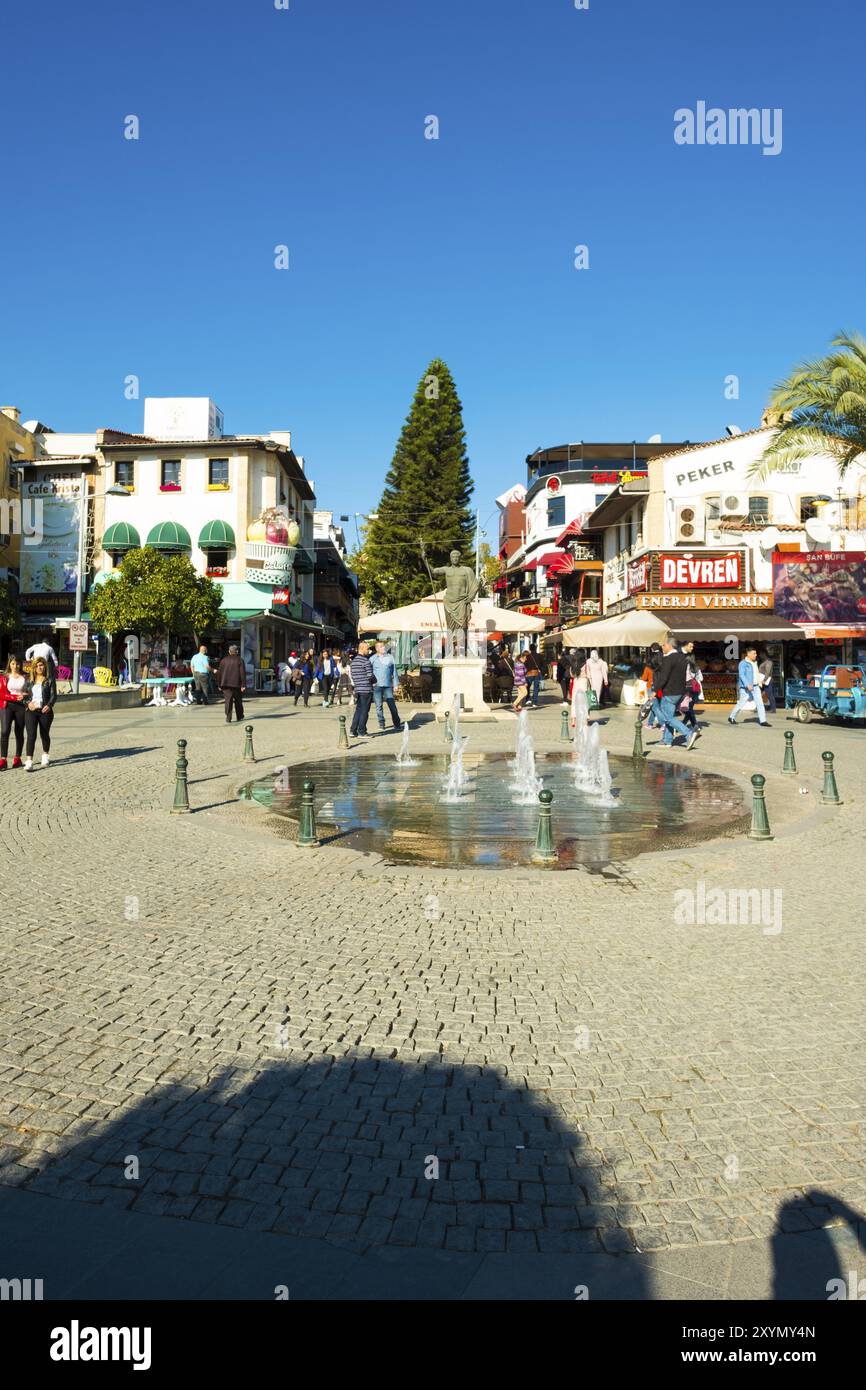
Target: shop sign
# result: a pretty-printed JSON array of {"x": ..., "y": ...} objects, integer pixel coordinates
[
  {"x": 820, "y": 586},
  {"x": 268, "y": 574},
  {"x": 554, "y": 485},
  {"x": 700, "y": 572},
  {"x": 536, "y": 610},
  {"x": 637, "y": 575},
  {"x": 281, "y": 596},
  {"x": 622, "y": 476},
  {"x": 703, "y": 602}
]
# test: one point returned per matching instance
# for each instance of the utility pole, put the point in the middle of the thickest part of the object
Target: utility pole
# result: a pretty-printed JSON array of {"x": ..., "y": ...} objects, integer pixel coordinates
[{"x": 478, "y": 544}]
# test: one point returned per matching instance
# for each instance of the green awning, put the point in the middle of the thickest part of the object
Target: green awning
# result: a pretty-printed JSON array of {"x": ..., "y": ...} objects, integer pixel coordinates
[
  {"x": 168, "y": 535},
  {"x": 216, "y": 535},
  {"x": 241, "y": 600},
  {"x": 121, "y": 536}
]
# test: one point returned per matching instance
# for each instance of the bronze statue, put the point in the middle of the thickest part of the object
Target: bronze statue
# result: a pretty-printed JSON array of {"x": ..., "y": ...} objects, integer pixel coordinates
[{"x": 461, "y": 588}]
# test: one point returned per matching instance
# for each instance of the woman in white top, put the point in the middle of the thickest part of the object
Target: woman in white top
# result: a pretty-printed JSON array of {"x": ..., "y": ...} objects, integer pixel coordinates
[
  {"x": 39, "y": 713},
  {"x": 17, "y": 695}
]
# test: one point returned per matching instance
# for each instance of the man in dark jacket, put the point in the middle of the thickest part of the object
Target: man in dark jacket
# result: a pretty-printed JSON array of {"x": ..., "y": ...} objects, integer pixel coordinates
[
  {"x": 232, "y": 681},
  {"x": 363, "y": 680},
  {"x": 669, "y": 684}
]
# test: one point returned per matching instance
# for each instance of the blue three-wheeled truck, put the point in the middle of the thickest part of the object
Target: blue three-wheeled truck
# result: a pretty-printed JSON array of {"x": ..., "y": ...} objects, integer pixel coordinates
[{"x": 838, "y": 693}]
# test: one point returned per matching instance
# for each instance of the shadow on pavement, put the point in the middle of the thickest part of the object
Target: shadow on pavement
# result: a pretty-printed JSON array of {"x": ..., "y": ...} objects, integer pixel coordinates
[
  {"x": 796, "y": 1278},
  {"x": 410, "y": 1176}
]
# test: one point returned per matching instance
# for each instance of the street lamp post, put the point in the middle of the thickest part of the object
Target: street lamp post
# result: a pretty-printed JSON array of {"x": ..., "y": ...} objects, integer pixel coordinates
[{"x": 86, "y": 498}]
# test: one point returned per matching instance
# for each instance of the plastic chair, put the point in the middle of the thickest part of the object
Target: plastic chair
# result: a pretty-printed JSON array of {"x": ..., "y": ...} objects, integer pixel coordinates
[
  {"x": 85, "y": 675},
  {"x": 104, "y": 676},
  {"x": 64, "y": 673}
]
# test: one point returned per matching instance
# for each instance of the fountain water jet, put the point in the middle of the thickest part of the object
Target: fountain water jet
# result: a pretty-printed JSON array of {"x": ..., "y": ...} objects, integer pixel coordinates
[
  {"x": 457, "y": 781},
  {"x": 403, "y": 759},
  {"x": 524, "y": 781}
]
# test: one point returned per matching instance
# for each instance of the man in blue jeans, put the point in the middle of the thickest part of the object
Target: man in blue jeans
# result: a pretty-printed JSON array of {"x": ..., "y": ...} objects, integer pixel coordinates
[
  {"x": 670, "y": 687},
  {"x": 385, "y": 672},
  {"x": 363, "y": 681}
]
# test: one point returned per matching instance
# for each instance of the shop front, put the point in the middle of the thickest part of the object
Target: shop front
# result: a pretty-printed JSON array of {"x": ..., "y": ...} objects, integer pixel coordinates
[{"x": 824, "y": 593}]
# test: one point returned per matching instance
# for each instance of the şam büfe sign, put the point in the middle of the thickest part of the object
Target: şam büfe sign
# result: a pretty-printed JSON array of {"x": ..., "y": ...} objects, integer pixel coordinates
[{"x": 699, "y": 572}]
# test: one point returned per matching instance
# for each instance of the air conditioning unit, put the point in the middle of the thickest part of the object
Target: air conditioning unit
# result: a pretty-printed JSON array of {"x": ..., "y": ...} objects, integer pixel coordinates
[
  {"x": 734, "y": 504},
  {"x": 688, "y": 522}
]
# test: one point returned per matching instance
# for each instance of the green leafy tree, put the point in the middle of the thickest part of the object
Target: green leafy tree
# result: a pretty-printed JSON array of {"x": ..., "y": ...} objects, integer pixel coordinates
[
  {"x": 491, "y": 566},
  {"x": 427, "y": 494},
  {"x": 9, "y": 616},
  {"x": 156, "y": 593},
  {"x": 820, "y": 408}
]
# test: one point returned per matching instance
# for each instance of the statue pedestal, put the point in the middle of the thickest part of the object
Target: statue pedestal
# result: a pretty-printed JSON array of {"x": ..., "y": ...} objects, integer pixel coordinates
[{"x": 463, "y": 675}]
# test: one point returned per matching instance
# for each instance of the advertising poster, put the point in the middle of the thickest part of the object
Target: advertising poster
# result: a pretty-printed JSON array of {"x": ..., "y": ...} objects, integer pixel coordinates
[
  {"x": 820, "y": 586},
  {"x": 49, "y": 571}
]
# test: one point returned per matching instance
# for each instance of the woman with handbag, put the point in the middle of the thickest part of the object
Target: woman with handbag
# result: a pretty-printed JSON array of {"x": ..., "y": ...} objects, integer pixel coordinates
[
  {"x": 16, "y": 695},
  {"x": 39, "y": 714}
]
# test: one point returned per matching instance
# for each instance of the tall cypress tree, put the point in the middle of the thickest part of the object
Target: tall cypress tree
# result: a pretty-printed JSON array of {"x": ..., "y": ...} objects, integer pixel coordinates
[{"x": 427, "y": 495}]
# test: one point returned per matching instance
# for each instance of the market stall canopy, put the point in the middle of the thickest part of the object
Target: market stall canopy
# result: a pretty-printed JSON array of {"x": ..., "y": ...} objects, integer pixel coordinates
[
  {"x": 633, "y": 629},
  {"x": 121, "y": 536},
  {"x": 717, "y": 626},
  {"x": 428, "y": 615},
  {"x": 216, "y": 535},
  {"x": 563, "y": 564}
]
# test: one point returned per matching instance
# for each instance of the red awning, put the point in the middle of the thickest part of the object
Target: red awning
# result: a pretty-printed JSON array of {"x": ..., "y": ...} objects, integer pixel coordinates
[
  {"x": 533, "y": 564},
  {"x": 574, "y": 528},
  {"x": 563, "y": 564},
  {"x": 551, "y": 557}
]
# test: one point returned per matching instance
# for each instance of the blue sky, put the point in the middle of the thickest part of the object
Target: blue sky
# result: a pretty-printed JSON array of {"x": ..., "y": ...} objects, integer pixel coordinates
[{"x": 305, "y": 127}]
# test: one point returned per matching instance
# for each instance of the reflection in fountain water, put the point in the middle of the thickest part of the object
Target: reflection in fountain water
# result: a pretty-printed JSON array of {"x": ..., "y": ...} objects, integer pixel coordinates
[
  {"x": 410, "y": 817},
  {"x": 524, "y": 782},
  {"x": 457, "y": 781},
  {"x": 403, "y": 759}
]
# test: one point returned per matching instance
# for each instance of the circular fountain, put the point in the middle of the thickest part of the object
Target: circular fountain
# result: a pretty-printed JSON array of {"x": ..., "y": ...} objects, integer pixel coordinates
[{"x": 473, "y": 809}]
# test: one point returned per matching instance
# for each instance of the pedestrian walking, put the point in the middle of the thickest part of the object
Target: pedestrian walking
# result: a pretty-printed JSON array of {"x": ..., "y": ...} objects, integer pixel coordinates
[
  {"x": 16, "y": 696},
  {"x": 694, "y": 686},
  {"x": 344, "y": 683},
  {"x": 200, "y": 667},
  {"x": 670, "y": 687},
  {"x": 232, "y": 681},
  {"x": 303, "y": 676},
  {"x": 364, "y": 680},
  {"x": 534, "y": 677},
  {"x": 385, "y": 671},
  {"x": 39, "y": 712},
  {"x": 521, "y": 683},
  {"x": 327, "y": 674},
  {"x": 596, "y": 673},
  {"x": 749, "y": 688},
  {"x": 765, "y": 672},
  {"x": 563, "y": 672},
  {"x": 648, "y": 675},
  {"x": 45, "y": 650}
]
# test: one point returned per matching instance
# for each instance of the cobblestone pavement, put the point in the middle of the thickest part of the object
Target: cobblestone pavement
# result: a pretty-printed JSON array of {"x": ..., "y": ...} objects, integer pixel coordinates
[{"x": 199, "y": 1018}]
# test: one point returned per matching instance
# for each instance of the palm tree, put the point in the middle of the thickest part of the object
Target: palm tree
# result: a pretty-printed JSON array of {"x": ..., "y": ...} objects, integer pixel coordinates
[{"x": 820, "y": 408}]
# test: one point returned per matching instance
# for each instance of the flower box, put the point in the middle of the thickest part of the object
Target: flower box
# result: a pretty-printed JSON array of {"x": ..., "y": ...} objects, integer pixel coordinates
[
  {"x": 217, "y": 571},
  {"x": 169, "y": 487}
]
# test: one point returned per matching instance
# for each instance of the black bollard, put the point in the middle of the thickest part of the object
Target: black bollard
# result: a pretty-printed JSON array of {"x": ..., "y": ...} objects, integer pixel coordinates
[
  {"x": 564, "y": 731},
  {"x": 342, "y": 737},
  {"x": 249, "y": 755},
  {"x": 181, "y": 790},
  {"x": 789, "y": 762},
  {"x": 637, "y": 746}
]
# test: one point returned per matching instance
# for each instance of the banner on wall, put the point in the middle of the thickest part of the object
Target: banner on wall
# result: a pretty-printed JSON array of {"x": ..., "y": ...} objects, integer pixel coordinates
[
  {"x": 820, "y": 586},
  {"x": 49, "y": 571}
]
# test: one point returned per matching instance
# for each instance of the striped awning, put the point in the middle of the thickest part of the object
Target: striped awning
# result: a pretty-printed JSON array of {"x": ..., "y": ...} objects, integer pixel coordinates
[
  {"x": 121, "y": 536},
  {"x": 169, "y": 535},
  {"x": 216, "y": 535}
]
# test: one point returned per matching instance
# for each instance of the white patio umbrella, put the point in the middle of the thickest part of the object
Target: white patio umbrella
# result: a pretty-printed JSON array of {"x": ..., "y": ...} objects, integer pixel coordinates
[
  {"x": 633, "y": 629},
  {"x": 428, "y": 615}
]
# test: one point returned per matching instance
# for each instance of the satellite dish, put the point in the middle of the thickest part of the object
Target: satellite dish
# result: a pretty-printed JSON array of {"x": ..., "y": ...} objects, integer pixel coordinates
[
  {"x": 769, "y": 539},
  {"x": 818, "y": 531},
  {"x": 733, "y": 429},
  {"x": 654, "y": 439}
]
